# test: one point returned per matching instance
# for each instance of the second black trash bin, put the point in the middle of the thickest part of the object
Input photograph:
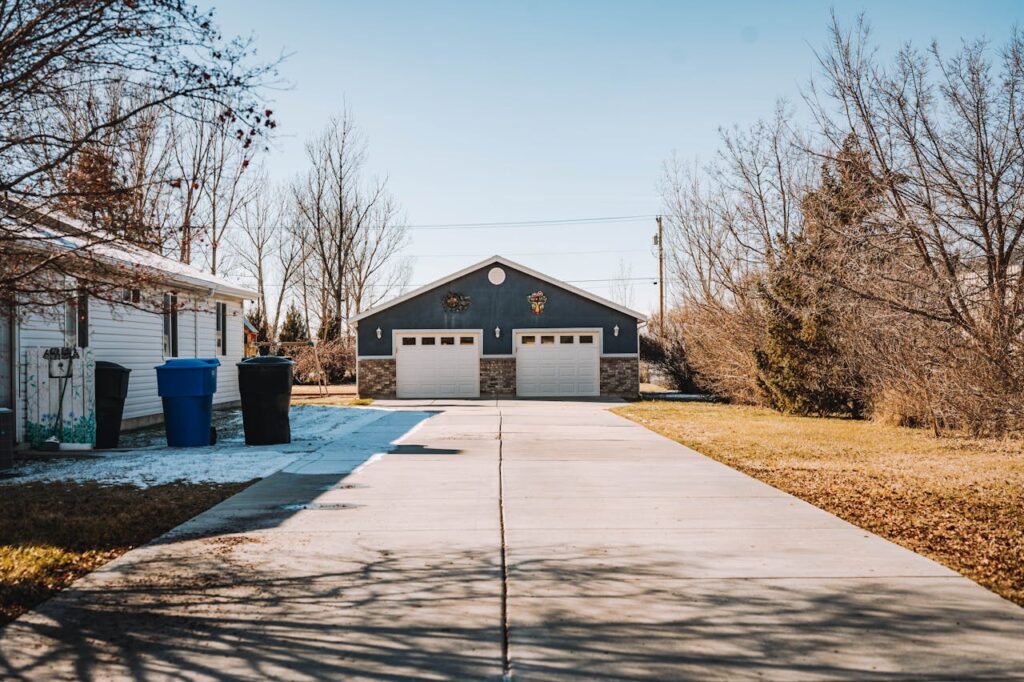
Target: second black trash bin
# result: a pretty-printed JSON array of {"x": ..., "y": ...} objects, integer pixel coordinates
[
  {"x": 111, "y": 390},
  {"x": 265, "y": 383}
]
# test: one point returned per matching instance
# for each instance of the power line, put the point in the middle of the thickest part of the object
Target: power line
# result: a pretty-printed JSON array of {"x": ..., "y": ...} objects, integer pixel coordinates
[
  {"x": 532, "y": 253},
  {"x": 652, "y": 280},
  {"x": 612, "y": 279},
  {"x": 501, "y": 225},
  {"x": 528, "y": 223}
]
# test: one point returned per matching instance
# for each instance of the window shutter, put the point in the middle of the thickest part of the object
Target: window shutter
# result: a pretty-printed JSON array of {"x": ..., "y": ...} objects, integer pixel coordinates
[
  {"x": 173, "y": 312},
  {"x": 83, "y": 318},
  {"x": 223, "y": 328},
  {"x": 174, "y": 323}
]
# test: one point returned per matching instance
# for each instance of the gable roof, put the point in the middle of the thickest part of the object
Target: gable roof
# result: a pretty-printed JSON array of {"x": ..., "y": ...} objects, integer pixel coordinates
[
  {"x": 53, "y": 232},
  {"x": 498, "y": 260}
]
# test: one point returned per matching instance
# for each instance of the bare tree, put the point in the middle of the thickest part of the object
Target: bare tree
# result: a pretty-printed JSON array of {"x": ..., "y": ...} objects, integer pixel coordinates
[
  {"x": 943, "y": 139},
  {"x": 162, "y": 54},
  {"x": 704, "y": 262},
  {"x": 622, "y": 288},
  {"x": 376, "y": 266},
  {"x": 210, "y": 183},
  {"x": 727, "y": 224},
  {"x": 348, "y": 226},
  {"x": 728, "y": 220},
  {"x": 267, "y": 252}
]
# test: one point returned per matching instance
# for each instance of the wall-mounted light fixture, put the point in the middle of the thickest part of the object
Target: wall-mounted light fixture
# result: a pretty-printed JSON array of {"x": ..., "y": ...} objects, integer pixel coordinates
[
  {"x": 378, "y": 332},
  {"x": 497, "y": 332},
  {"x": 615, "y": 330}
]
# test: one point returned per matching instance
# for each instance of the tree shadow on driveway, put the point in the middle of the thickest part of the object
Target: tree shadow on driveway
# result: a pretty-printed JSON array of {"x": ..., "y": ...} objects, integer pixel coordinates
[
  {"x": 246, "y": 592},
  {"x": 434, "y": 612}
]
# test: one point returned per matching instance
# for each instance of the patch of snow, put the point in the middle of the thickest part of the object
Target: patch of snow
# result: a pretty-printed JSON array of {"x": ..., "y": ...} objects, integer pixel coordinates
[{"x": 323, "y": 437}]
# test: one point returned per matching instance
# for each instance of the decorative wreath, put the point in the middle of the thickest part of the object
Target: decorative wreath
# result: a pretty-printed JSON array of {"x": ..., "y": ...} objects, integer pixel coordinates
[
  {"x": 454, "y": 302},
  {"x": 537, "y": 300}
]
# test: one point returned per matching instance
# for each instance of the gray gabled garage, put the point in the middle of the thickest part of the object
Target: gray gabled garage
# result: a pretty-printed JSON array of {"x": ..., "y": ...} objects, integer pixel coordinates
[{"x": 498, "y": 328}]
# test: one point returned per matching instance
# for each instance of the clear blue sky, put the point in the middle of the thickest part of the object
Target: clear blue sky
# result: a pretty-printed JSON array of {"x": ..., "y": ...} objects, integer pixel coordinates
[{"x": 487, "y": 111}]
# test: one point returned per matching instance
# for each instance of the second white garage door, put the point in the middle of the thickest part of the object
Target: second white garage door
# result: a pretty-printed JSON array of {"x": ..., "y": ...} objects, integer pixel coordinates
[
  {"x": 557, "y": 364},
  {"x": 437, "y": 365}
]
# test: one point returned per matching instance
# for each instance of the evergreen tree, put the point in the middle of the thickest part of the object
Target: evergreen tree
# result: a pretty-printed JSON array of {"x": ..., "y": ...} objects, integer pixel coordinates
[
  {"x": 330, "y": 327},
  {"x": 294, "y": 326},
  {"x": 97, "y": 192},
  {"x": 801, "y": 368}
]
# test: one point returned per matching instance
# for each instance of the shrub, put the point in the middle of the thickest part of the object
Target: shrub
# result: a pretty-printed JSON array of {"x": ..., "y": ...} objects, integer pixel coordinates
[
  {"x": 720, "y": 342},
  {"x": 665, "y": 355},
  {"x": 330, "y": 361}
]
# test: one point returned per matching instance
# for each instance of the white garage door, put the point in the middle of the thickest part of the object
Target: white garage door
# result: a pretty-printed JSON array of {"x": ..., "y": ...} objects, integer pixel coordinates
[
  {"x": 437, "y": 365},
  {"x": 557, "y": 364}
]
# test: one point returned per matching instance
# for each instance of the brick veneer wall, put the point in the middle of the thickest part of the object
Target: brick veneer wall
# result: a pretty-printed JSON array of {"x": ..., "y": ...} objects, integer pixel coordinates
[
  {"x": 376, "y": 378},
  {"x": 620, "y": 377},
  {"x": 497, "y": 376}
]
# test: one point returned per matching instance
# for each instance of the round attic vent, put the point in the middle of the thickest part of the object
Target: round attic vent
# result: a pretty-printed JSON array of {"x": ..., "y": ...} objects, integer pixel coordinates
[{"x": 496, "y": 276}]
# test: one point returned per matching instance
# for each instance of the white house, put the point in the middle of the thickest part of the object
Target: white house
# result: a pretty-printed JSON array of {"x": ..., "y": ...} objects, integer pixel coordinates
[{"x": 201, "y": 316}]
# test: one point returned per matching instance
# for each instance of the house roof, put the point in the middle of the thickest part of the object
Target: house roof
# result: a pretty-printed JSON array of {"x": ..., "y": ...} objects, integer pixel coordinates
[
  {"x": 62, "y": 233},
  {"x": 499, "y": 260}
]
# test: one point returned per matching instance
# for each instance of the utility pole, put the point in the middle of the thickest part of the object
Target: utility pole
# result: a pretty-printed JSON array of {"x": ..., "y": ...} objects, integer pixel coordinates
[{"x": 661, "y": 279}]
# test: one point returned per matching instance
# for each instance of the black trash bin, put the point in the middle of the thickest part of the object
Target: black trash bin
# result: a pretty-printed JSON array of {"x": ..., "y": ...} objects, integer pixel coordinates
[
  {"x": 265, "y": 383},
  {"x": 111, "y": 390},
  {"x": 6, "y": 438}
]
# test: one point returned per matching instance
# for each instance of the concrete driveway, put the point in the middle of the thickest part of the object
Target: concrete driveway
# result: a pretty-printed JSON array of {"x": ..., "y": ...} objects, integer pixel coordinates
[{"x": 542, "y": 540}]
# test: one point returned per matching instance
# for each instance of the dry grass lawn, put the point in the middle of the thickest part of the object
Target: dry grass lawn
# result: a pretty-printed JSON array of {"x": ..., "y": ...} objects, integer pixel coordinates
[
  {"x": 341, "y": 395},
  {"x": 335, "y": 400},
  {"x": 959, "y": 501},
  {"x": 53, "y": 533}
]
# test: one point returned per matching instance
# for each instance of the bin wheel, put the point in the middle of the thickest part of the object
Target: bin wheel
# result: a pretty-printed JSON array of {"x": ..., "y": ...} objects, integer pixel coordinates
[{"x": 213, "y": 435}]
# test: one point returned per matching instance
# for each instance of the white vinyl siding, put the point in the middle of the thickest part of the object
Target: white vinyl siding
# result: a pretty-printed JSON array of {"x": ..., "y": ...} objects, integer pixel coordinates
[
  {"x": 227, "y": 376},
  {"x": 134, "y": 338}
]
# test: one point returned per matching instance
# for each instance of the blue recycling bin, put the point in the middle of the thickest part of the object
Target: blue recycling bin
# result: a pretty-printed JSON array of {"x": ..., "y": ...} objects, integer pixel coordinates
[{"x": 186, "y": 386}]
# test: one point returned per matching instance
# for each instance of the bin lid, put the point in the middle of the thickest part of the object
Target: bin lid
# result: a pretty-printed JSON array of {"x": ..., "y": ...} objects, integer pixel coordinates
[
  {"x": 188, "y": 363},
  {"x": 103, "y": 364},
  {"x": 266, "y": 360}
]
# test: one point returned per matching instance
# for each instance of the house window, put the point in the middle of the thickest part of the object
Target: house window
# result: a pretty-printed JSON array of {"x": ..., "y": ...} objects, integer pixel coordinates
[
  {"x": 222, "y": 326},
  {"x": 466, "y": 340},
  {"x": 429, "y": 341},
  {"x": 447, "y": 340},
  {"x": 529, "y": 340},
  {"x": 408, "y": 340},
  {"x": 545, "y": 340},
  {"x": 76, "y": 320},
  {"x": 129, "y": 295},
  {"x": 565, "y": 339},
  {"x": 586, "y": 338},
  {"x": 170, "y": 345}
]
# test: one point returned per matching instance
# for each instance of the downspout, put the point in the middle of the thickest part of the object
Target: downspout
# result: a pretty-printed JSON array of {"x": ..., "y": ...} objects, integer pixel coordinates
[
  {"x": 195, "y": 332},
  {"x": 640, "y": 323}
]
